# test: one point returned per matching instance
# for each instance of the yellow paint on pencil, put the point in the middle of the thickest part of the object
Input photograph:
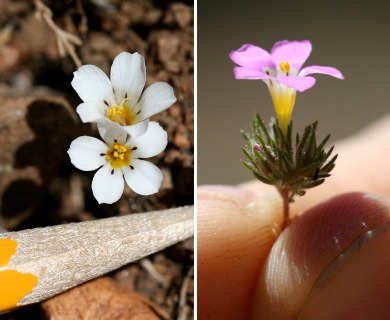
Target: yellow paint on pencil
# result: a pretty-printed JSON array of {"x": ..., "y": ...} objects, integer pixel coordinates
[
  {"x": 14, "y": 285},
  {"x": 7, "y": 249}
]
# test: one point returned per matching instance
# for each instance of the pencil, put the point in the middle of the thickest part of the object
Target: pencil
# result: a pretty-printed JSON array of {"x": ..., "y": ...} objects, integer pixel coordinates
[{"x": 39, "y": 263}]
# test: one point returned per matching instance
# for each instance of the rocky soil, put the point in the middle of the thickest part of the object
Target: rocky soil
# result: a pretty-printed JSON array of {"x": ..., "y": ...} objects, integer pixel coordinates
[{"x": 38, "y": 184}]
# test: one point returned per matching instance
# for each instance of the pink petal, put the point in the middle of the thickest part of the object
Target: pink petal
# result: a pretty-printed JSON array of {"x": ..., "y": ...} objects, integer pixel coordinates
[
  {"x": 293, "y": 52},
  {"x": 299, "y": 83},
  {"x": 247, "y": 73},
  {"x": 252, "y": 57},
  {"x": 323, "y": 70}
]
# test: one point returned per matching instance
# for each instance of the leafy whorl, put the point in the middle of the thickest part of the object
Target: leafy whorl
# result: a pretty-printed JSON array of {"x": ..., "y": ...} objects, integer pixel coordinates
[{"x": 274, "y": 159}]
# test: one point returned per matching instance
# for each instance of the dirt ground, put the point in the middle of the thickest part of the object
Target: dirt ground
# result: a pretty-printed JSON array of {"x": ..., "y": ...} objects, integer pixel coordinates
[{"x": 38, "y": 184}]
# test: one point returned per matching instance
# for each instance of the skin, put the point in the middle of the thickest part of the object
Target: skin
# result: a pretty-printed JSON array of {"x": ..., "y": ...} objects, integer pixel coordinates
[{"x": 237, "y": 226}]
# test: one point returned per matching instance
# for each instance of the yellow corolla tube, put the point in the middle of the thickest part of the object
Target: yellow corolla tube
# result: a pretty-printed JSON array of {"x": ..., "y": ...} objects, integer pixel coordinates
[
  {"x": 283, "y": 98},
  {"x": 39, "y": 263}
]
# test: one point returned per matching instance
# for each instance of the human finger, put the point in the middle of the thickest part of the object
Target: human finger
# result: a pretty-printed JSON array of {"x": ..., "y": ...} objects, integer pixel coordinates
[
  {"x": 332, "y": 263},
  {"x": 234, "y": 238}
]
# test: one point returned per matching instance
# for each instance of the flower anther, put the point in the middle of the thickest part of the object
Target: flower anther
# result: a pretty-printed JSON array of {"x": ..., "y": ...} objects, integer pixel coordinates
[
  {"x": 122, "y": 114},
  {"x": 284, "y": 66},
  {"x": 118, "y": 155}
]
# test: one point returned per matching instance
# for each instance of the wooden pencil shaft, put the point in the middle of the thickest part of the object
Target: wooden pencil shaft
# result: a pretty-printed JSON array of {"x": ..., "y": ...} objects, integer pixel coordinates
[{"x": 64, "y": 256}]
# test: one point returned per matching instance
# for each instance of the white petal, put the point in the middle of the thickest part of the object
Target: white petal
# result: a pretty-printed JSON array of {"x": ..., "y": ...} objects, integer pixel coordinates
[
  {"x": 137, "y": 129},
  {"x": 156, "y": 98},
  {"x": 92, "y": 85},
  {"x": 107, "y": 187},
  {"x": 84, "y": 153},
  {"x": 144, "y": 179},
  {"x": 128, "y": 75},
  {"x": 151, "y": 143},
  {"x": 111, "y": 131},
  {"x": 102, "y": 126},
  {"x": 90, "y": 113}
]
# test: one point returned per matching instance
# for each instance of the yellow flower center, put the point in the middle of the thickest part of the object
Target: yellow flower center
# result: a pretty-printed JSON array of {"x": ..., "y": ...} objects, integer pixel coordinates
[
  {"x": 284, "y": 66},
  {"x": 118, "y": 155},
  {"x": 122, "y": 114}
]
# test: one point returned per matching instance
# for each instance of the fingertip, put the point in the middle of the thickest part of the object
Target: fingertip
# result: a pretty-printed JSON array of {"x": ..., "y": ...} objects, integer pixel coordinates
[
  {"x": 206, "y": 192},
  {"x": 356, "y": 286},
  {"x": 312, "y": 257},
  {"x": 234, "y": 237}
]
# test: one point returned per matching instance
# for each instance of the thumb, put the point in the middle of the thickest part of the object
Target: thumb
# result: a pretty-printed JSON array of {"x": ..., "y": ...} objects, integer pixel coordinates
[{"x": 234, "y": 238}]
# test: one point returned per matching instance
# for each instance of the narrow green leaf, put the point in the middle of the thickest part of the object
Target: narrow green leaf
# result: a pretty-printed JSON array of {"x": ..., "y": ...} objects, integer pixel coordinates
[
  {"x": 323, "y": 142},
  {"x": 262, "y": 178},
  {"x": 261, "y": 128}
]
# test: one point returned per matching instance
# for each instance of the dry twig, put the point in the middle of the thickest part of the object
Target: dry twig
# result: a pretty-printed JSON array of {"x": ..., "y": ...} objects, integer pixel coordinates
[
  {"x": 66, "y": 41},
  {"x": 149, "y": 267},
  {"x": 183, "y": 308}
]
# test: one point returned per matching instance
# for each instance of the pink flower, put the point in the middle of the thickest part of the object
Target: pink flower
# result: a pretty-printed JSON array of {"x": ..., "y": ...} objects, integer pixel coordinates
[
  {"x": 281, "y": 71},
  {"x": 283, "y": 64}
]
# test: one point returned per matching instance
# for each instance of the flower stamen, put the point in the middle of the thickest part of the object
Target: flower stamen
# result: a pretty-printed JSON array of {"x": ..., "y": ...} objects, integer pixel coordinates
[
  {"x": 122, "y": 114},
  {"x": 118, "y": 155},
  {"x": 285, "y": 67}
]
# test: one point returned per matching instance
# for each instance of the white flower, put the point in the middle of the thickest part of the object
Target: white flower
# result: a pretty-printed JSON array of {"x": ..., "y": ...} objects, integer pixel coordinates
[
  {"x": 119, "y": 156},
  {"x": 120, "y": 99}
]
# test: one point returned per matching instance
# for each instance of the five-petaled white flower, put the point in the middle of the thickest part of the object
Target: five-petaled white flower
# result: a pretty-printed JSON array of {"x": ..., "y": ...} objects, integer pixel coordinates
[
  {"x": 119, "y": 155},
  {"x": 120, "y": 99}
]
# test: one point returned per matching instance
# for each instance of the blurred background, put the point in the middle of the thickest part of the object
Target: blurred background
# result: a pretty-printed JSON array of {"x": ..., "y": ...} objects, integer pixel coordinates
[{"x": 352, "y": 36}]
